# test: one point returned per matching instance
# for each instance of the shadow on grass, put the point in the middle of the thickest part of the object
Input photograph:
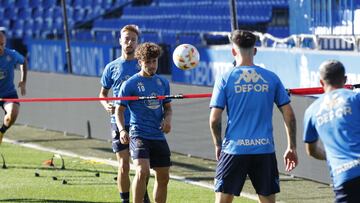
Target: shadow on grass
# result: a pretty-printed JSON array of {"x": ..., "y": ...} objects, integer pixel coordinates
[
  {"x": 61, "y": 170},
  {"x": 43, "y": 200},
  {"x": 191, "y": 166},
  {"x": 48, "y": 140},
  {"x": 108, "y": 149}
]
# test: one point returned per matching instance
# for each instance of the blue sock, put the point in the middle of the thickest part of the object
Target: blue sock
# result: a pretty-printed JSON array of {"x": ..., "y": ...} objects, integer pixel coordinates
[
  {"x": 3, "y": 128},
  {"x": 146, "y": 197},
  {"x": 124, "y": 196}
]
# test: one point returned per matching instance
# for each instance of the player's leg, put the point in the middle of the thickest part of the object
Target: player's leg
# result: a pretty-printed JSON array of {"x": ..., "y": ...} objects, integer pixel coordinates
[
  {"x": 161, "y": 183},
  {"x": 231, "y": 172},
  {"x": 140, "y": 155},
  {"x": 123, "y": 180},
  {"x": 123, "y": 156},
  {"x": 264, "y": 175},
  {"x": 142, "y": 172},
  {"x": 223, "y": 197},
  {"x": 348, "y": 191},
  {"x": 267, "y": 199},
  {"x": 160, "y": 162},
  {"x": 11, "y": 113}
]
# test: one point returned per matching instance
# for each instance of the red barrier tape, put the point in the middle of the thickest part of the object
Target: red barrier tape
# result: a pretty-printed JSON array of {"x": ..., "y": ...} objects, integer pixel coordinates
[
  {"x": 315, "y": 90},
  {"x": 295, "y": 91}
]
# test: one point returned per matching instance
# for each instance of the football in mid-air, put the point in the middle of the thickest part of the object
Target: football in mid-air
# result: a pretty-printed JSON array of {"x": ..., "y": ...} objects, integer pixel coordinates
[{"x": 186, "y": 56}]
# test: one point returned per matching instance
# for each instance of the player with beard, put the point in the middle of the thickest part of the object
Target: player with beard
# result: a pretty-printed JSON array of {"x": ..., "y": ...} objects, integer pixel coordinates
[
  {"x": 149, "y": 122},
  {"x": 115, "y": 73}
]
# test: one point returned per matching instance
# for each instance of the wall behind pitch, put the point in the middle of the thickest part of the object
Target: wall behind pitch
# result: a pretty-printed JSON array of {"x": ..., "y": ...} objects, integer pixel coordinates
[{"x": 295, "y": 67}]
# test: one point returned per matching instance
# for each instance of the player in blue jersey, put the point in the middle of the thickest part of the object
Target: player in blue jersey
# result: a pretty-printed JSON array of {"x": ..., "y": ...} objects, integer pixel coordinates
[
  {"x": 149, "y": 120},
  {"x": 9, "y": 60},
  {"x": 335, "y": 118},
  {"x": 248, "y": 92},
  {"x": 115, "y": 73}
]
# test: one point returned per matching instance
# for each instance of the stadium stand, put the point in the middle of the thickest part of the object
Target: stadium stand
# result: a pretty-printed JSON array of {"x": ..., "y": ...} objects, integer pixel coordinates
[{"x": 162, "y": 21}]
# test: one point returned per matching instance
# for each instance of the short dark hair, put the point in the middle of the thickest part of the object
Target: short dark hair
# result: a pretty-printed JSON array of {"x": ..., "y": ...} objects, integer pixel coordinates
[
  {"x": 332, "y": 72},
  {"x": 148, "y": 50},
  {"x": 243, "y": 38}
]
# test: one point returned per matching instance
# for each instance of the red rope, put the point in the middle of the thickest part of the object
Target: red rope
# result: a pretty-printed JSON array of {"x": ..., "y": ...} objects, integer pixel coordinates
[
  {"x": 295, "y": 91},
  {"x": 313, "y": 90}
]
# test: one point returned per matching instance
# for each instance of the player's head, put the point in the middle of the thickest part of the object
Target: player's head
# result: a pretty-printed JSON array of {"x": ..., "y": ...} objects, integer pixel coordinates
[
  {"x": 2, "y": 42},
  {"x": 148, "y": 55},
  {"x": 243, "y": 42},
  {"x": 129, "y": 36},
  {"x": 332, "y": 73}
]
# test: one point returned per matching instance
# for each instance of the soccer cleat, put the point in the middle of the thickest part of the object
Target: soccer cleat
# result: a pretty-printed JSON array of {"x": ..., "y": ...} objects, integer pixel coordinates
[{"x": 1, "y": 136}]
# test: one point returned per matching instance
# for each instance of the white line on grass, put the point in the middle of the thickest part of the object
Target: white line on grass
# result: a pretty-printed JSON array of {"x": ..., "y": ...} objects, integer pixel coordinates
[{"x": 115, "y": 163}]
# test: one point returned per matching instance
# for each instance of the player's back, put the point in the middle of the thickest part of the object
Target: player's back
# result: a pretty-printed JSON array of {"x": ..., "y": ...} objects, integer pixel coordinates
[{"x": 250, "y": 93}]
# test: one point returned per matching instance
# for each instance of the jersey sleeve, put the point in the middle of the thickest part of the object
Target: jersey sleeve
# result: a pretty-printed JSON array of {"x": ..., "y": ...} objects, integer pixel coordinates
[
  {"x": 106, "y": 79},
  {"x": 125, "y": 90},
  {"x": 19, "y": 59},
  {"x": 281, "y": 95},
  {"x": 218, "y": 98},
  {"x": 310, "y": 133}
]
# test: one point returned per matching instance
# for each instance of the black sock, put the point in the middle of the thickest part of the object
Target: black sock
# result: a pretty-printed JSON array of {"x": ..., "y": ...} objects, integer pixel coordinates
[
  {"x": 124, "y": 196},
  {"x": 3, "y": 128},
  {"x": 146, "y": 197}
]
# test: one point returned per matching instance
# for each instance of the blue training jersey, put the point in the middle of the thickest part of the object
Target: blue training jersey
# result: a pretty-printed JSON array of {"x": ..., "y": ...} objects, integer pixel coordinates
[
  {"x": 145, "y": 115},
  {"x": 335, "y": 118},
  {"x": 8, "y": 63},
  {"x": 115, "y": 73},
  {"x": 248, "y": 93}
]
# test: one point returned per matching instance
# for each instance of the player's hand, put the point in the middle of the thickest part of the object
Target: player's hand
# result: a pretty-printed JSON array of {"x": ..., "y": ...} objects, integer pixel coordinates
[
  {"x": 217, "y": 152},
  {"x": 290, "y": 159},
  {"x": 124, "y": 137},
  {"x": 110, "y": 108},
  {"x": 165, "y": 126},
  {"x": 22, "y": 86}
]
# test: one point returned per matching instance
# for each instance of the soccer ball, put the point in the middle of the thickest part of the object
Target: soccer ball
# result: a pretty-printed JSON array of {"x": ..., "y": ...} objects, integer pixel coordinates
[{"x": 186, "y": 57}]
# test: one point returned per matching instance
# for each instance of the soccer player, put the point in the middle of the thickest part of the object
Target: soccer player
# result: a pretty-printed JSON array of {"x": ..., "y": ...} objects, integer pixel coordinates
[
  {"x": 335, "y": 119},
  {"x": 9, "y": 59},
  {"x": 115, "y": 73},
  {"x": 149, "y": 120},
  {"x": 248, "y": 92}
]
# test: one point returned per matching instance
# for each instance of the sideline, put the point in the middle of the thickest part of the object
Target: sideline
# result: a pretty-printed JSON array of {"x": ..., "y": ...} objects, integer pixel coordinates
[{"x": 115, "y": 163}]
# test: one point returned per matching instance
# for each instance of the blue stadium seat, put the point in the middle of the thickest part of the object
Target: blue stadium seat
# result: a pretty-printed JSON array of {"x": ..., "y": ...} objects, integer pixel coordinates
[
  {"x": 48, "y": 13},
  {"x": 48, "y": 4},
  {"x": 10, "y": 13},
  {"x": 37, "y": 13},
  {"x": 7, "y": 3},
  {"x": 79, "y": 14},
  {"x": 5, "y": 23},
  {"x": 150, "y": 37},
  {"x": 24, "y": 13},
  {"x": 28, "y": 28},
  {"x": 18, "y": 28},
  {"x": 104, "y": 36},
  {"x": 2, "y": 13},
  {"x": 35, "y": 3},
  {"x": 22, "y": 3},
  {"x": 83, "y": 35}
]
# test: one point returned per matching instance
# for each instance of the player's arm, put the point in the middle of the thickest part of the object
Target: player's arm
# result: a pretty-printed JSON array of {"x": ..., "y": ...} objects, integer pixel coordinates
[
  {"x": 166, "y": 122},
  {"x": 315, "y": 150},
  {"x": 290, "y": 156},
  {"x": 215, "y": 128},
  {"x": 120, "y": 122},
  {"x": 109, "y": 107},
  {"x": 23, "y": 77}
]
